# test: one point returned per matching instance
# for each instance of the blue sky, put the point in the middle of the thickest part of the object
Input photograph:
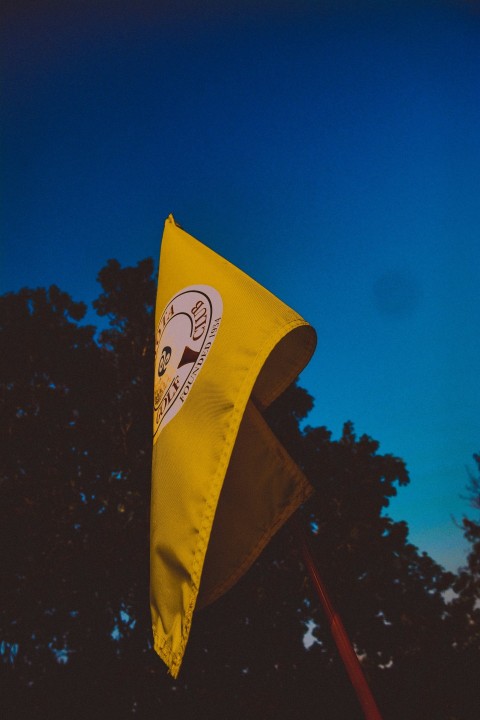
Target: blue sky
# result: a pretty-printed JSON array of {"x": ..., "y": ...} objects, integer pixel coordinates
[{"x": 329, "y": 149}]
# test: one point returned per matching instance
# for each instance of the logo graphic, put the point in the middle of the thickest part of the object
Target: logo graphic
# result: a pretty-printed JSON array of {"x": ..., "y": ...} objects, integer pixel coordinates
[{"x": 185, "y": 334}]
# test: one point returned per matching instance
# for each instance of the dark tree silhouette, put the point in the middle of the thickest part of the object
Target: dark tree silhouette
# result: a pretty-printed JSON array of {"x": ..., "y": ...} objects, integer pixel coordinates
[
  {"x": 75, "y": 477},
  {"x": 469, "y": 581},
  {"x": 467, "y": 603}
]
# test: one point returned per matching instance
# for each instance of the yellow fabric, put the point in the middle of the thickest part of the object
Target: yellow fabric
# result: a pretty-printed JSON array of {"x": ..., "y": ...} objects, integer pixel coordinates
[{"x": 225, "y": 349}]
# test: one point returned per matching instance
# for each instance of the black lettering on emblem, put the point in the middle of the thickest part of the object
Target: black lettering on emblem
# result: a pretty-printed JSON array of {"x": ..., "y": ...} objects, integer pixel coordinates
[{"x": 164, "y": 360}]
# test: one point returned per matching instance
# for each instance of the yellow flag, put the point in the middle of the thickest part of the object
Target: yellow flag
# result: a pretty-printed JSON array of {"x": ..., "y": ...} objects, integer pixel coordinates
[{"x": 222, "y": 484}]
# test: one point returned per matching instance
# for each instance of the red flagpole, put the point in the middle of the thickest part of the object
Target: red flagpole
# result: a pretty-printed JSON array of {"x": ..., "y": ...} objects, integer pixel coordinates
[{"x": 344, "y": 646}]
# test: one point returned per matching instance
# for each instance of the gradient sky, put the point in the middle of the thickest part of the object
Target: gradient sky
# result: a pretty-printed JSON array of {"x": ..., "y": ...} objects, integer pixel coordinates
[{"x": 330, "y": 149}]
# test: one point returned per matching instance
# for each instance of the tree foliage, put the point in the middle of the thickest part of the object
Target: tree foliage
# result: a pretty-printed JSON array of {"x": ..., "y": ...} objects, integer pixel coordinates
[{"x": 75, "y": 478}]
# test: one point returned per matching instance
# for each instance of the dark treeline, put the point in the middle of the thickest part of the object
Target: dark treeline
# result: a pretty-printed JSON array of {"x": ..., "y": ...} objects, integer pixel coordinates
[{"x": 75, "y": 636}]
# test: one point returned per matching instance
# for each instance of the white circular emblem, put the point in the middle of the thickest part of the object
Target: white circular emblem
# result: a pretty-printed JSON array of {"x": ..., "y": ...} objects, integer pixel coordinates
[{"x": 184, "y": 337}]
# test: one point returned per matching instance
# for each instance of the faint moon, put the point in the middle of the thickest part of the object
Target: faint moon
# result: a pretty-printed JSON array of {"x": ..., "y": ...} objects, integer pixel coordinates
[{"x": 396, "y": 293}]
